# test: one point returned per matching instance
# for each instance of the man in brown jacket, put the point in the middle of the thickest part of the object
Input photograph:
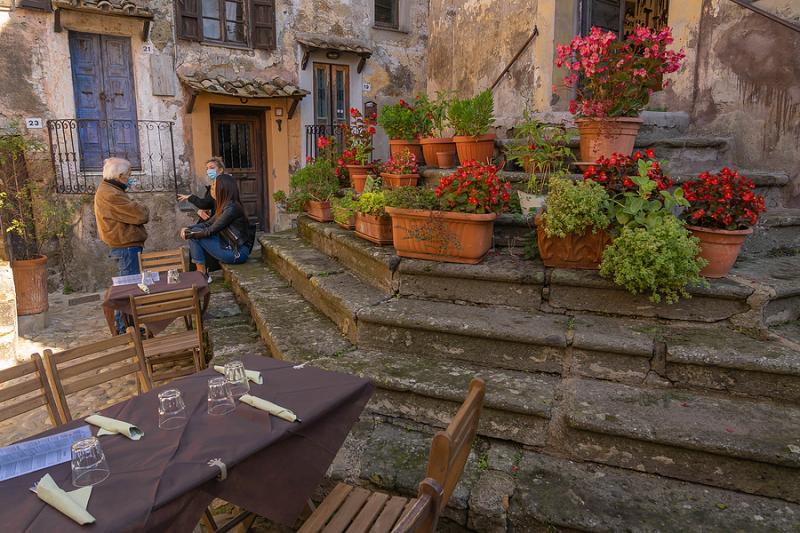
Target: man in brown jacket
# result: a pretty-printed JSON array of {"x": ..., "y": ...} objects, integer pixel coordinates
[{"x": 120, "y": 220}]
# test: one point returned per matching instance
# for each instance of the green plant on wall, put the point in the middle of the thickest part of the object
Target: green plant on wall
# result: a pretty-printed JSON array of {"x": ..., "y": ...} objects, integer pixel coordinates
[
  {"x": 344, "y": 207},
  {"x": 472, "y": 116},
  {"x": 315, "y": 181},
  {"x": 575, "y": 207}
]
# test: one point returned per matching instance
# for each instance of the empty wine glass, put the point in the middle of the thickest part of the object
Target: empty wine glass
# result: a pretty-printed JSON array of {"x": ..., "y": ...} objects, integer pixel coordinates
[
  {"x": 171, "y": 409},
  {"x": 89, "y": 466},
  {"x": 148, "y": 278},
  {"x": 236, "y": 378},
  {"x": 173, "y": 276},
  {"x": 220, "y": 400}
]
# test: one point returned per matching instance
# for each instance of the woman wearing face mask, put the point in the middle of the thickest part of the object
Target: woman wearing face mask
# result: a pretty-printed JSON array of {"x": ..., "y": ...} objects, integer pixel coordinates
[
  {"x": 214, "y": 168},
  {"x": 226, "y": 236}
]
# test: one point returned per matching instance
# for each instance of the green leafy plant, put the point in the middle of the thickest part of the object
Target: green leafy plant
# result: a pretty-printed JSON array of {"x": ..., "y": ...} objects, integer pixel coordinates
[
  {"x": 575, "y": 207},
  {"x": 373, "y": 183},
  {"x": 279, "y": 197},
  {"x": 659, "y": 260},
  {"x": 541, "y": 149},
  {"x": 316, "y": 181},
  {"x": 412, "y": 198},
  {"x": 344, "y": 207},
  {"x": 399, "y": 121},
  {"x": 472, "y": 116},
  {"x": 434, "y": 112},
  {"x": 372, "y": 203}
]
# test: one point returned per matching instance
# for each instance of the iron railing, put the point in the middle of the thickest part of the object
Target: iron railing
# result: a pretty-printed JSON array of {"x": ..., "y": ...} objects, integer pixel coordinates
[
  {"x": 79, "y": 146},
  {"x": 315, "y": 131}
]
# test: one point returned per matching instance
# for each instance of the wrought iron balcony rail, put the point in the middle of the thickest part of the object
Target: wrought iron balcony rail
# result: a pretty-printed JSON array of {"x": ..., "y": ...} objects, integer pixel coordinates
[
  {"x": 79, "y": 146},
  {"x": 315, "y": 131}
]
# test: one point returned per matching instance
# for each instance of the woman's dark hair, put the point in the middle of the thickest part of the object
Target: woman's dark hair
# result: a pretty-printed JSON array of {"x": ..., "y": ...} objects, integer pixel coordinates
[{"x": 227, "y": 192}]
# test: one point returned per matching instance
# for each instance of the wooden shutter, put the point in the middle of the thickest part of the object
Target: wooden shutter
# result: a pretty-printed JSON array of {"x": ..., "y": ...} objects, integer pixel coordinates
[
  {"x": 44, "y": 5},
  {"x": 189, "y": 19},
  {"x": 263, "y": 23}
]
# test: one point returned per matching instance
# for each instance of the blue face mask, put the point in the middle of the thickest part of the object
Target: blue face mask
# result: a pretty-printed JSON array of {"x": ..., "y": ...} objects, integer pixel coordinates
[
  {"x": 131, "y": 181},
  {"x": 211, "y": 173}
]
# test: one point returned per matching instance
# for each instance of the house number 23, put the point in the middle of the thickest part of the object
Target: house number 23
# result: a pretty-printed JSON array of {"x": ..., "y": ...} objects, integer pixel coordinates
[{"x": 34, "y": 123}]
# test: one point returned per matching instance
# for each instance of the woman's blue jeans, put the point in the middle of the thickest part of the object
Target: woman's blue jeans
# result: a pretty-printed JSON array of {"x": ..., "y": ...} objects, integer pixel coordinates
[{"x": 216, "y": 247}]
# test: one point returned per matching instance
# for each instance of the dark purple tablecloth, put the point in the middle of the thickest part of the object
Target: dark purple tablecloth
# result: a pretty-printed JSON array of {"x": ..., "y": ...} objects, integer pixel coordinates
[
  {"x": 163, "y": 481},
  {"x": 118, "y": 297}
]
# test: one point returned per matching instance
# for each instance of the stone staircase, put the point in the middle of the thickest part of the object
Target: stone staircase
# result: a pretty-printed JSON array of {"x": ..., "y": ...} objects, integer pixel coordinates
[{"x": 603, "y": 410}]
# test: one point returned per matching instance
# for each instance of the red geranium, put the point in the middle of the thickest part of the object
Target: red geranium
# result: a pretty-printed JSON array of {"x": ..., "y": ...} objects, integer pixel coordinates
[
  {"x": 403, "y": 163},
  {"x": 358, "y": 138},
  {"x": 722, "y": 201},
  {"x": 474, "y": 188},
  {"x": 614, "y": 172}
]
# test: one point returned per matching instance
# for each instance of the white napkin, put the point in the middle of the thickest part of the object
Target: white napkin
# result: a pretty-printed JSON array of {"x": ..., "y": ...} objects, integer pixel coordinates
[
  {"x": 111, "y": 426},
  {"x": 252, "y": 375},
  {"x": 271, "y": 408},
  {"x": 73, "y": 503}
]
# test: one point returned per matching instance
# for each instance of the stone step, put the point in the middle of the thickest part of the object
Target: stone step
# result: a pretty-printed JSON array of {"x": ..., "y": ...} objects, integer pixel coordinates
[
  {"x": 777, "y": 282},
  {"x": 777, "y": 232},
  {"x": 747, "y": 445}
]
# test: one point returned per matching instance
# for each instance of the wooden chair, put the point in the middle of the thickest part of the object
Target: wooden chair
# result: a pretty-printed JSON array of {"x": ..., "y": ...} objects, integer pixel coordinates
[
  {"x": 25, "y": 387},
  {"x": 173, "y": 348},
  {"x": 164, "y": 260},
  {"x": 357, "y": 510},
  {"x": 87, "y": 366}
]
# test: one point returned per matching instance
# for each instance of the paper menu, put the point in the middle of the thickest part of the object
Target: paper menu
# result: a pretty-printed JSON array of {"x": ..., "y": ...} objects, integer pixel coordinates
[
  {"x": 133, "y": 279},
  {"x": 25, "y": 457}
]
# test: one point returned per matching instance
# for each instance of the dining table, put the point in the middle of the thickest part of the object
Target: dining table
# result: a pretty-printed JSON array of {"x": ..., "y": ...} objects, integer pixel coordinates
[
  {"x": 165, "y": 480},
  {"x": 117, "y": 297}
]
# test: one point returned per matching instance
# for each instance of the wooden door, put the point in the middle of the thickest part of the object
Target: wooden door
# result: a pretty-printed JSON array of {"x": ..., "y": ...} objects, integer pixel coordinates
[
  {"x": 105, "y": 98},
  {"x": 238, "y": 139},
  {"x": 331, "y": 94}
]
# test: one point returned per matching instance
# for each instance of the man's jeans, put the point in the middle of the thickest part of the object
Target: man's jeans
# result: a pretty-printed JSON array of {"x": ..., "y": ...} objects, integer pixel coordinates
[
  {"x": 215, "y": 247},
  {"x": 128, "y": 262}
]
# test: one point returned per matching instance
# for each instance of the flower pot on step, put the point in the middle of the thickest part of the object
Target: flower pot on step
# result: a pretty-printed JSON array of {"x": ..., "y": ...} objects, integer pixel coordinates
[
  {"x": 446, "y": 159},
  {"x": 30, "y": 283},
  {"x": 606, "y": 136},
  {"x": 479, "y": 148},
  {"x": 720, "y": 248},
  {"x": 319, "y": 211},
  {"x": 441, "y": 235},
  {"x": 583, "y": 251},
  {"x": 393, "y": 181},
  {"x": 377, "y": 229},
  {"x": 398, "y": 146},
  {"x": 433, "y": 146},
  {"x": 358, "y": 176},
  {"x": 350, "y": 225}
]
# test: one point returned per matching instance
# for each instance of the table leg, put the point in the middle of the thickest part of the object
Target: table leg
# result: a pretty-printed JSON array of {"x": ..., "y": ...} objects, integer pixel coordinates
[
  {"x": 112, "y": 323},
  {"x": 206, "y": 299}
]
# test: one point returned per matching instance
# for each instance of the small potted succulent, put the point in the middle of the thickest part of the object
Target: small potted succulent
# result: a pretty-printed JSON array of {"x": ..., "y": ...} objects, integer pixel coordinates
[
  {"x": 344, "y": 209},
  {"x": 404, "y": 124},
  {"x": 438, "y": 150},
  {"x": 311, "y": 190},
  {"x": 471, "y": 119},
  {"x": 400, "y": 171},
  {"x": 723, "y": 208},
  {"x": 372, "y": 222},
  {"x": 358, "y": 148},
  {"x": 456, "y": 223},
  {"x": 612, "y": 81}
]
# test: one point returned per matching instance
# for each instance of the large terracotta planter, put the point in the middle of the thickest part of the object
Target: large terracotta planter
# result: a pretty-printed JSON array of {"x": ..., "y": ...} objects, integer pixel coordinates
[
  {"x": 358, "y": 176},
  {"x": 446, "y": 159},
  {"x": 393, "y": 181},
  {"x": 441, "y": 235},
  {"x": 480, "y": 148},
  {"x": 398, "y": 146},
  {"x": 30, "y": 285},
  {"x": 377, "y": 229},
  {"x": 606, "y": 136},
  {"x": 433, "y": 146},
  {"x": 319, "y": 211},
  {"x": 583, "y": 251},
  {"x": 720, "y": 248}
]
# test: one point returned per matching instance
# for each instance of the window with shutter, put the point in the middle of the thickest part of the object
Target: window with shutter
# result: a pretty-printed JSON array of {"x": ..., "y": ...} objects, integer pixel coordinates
[
  {"x": 387, "y": 13},
  {"x": 188, "y": 19},
  {"x": 231, "y": 22},
  {"x": 44, "y": 5},
  {"x": 263, "y": 24}
]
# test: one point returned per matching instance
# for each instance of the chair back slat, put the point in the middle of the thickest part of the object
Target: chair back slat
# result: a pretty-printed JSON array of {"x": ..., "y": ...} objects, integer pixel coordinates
[
  {"x": 96, "y": 368},
  {"x": 164, "y": 306},
  {"x": 25, "y": 387},
  {"x": 164, "y": 260},
  {"x": 423, "y": 514},
  {"x": 450, "y": 448}
]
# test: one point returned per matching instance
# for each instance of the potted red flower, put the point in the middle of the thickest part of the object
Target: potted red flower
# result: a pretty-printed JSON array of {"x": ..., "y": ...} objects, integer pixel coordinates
[
  {"x": 613, "y": 81},
  {"x": 358, "y": 141},
  {"x": 400, "y": 171},
  {"x": 455, "y": 224},
  {"x": 405, "y": 124},
  {"x": 722, "y": 210}
]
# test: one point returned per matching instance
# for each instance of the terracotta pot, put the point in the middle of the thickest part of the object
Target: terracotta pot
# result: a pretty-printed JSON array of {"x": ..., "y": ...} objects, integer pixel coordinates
[
  {"x": 358, "y": 176},
  {"x": 720, "y": 248},
  {"x": 606, "y": 136},
  {"x": 573, "y": 251},
  {"x": 393, "y": 181},
  {"x": 319, "y": 211},
  {"x": 441, "y": 235},
  {"x": 398, "y": 146},
  {"x": 446, "y": 159},
  {"x": 480, "y": 148},
  {"x": 433, "y": 146},
  {"x": 351, "y": 224},
  {"x": 377, "y": 229},
  {"x": 30, "y": 285}
]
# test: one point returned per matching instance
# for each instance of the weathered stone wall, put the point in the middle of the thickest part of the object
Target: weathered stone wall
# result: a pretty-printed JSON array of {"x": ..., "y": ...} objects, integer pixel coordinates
[{"x": 8, "y": 315}]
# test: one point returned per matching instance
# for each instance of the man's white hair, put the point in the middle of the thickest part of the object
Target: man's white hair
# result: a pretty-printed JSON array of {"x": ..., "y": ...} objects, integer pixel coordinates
[{"x": 114, "y": 167}]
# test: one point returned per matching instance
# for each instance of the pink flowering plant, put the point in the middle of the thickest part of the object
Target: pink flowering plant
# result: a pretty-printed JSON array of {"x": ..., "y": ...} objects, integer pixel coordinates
[
  {"x": 615, "y": 78},
  {"x": 404, "y": 163}
]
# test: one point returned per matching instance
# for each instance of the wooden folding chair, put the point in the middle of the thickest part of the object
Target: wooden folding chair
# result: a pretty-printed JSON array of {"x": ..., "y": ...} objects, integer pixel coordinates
[
  {"x": 167, "y": 351},
  {"x": 87, "y": 366},
  {"x": 164, "y": 260},
  {"x": 25, "y": 387},
  {"x": 357, "y": 510}
]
